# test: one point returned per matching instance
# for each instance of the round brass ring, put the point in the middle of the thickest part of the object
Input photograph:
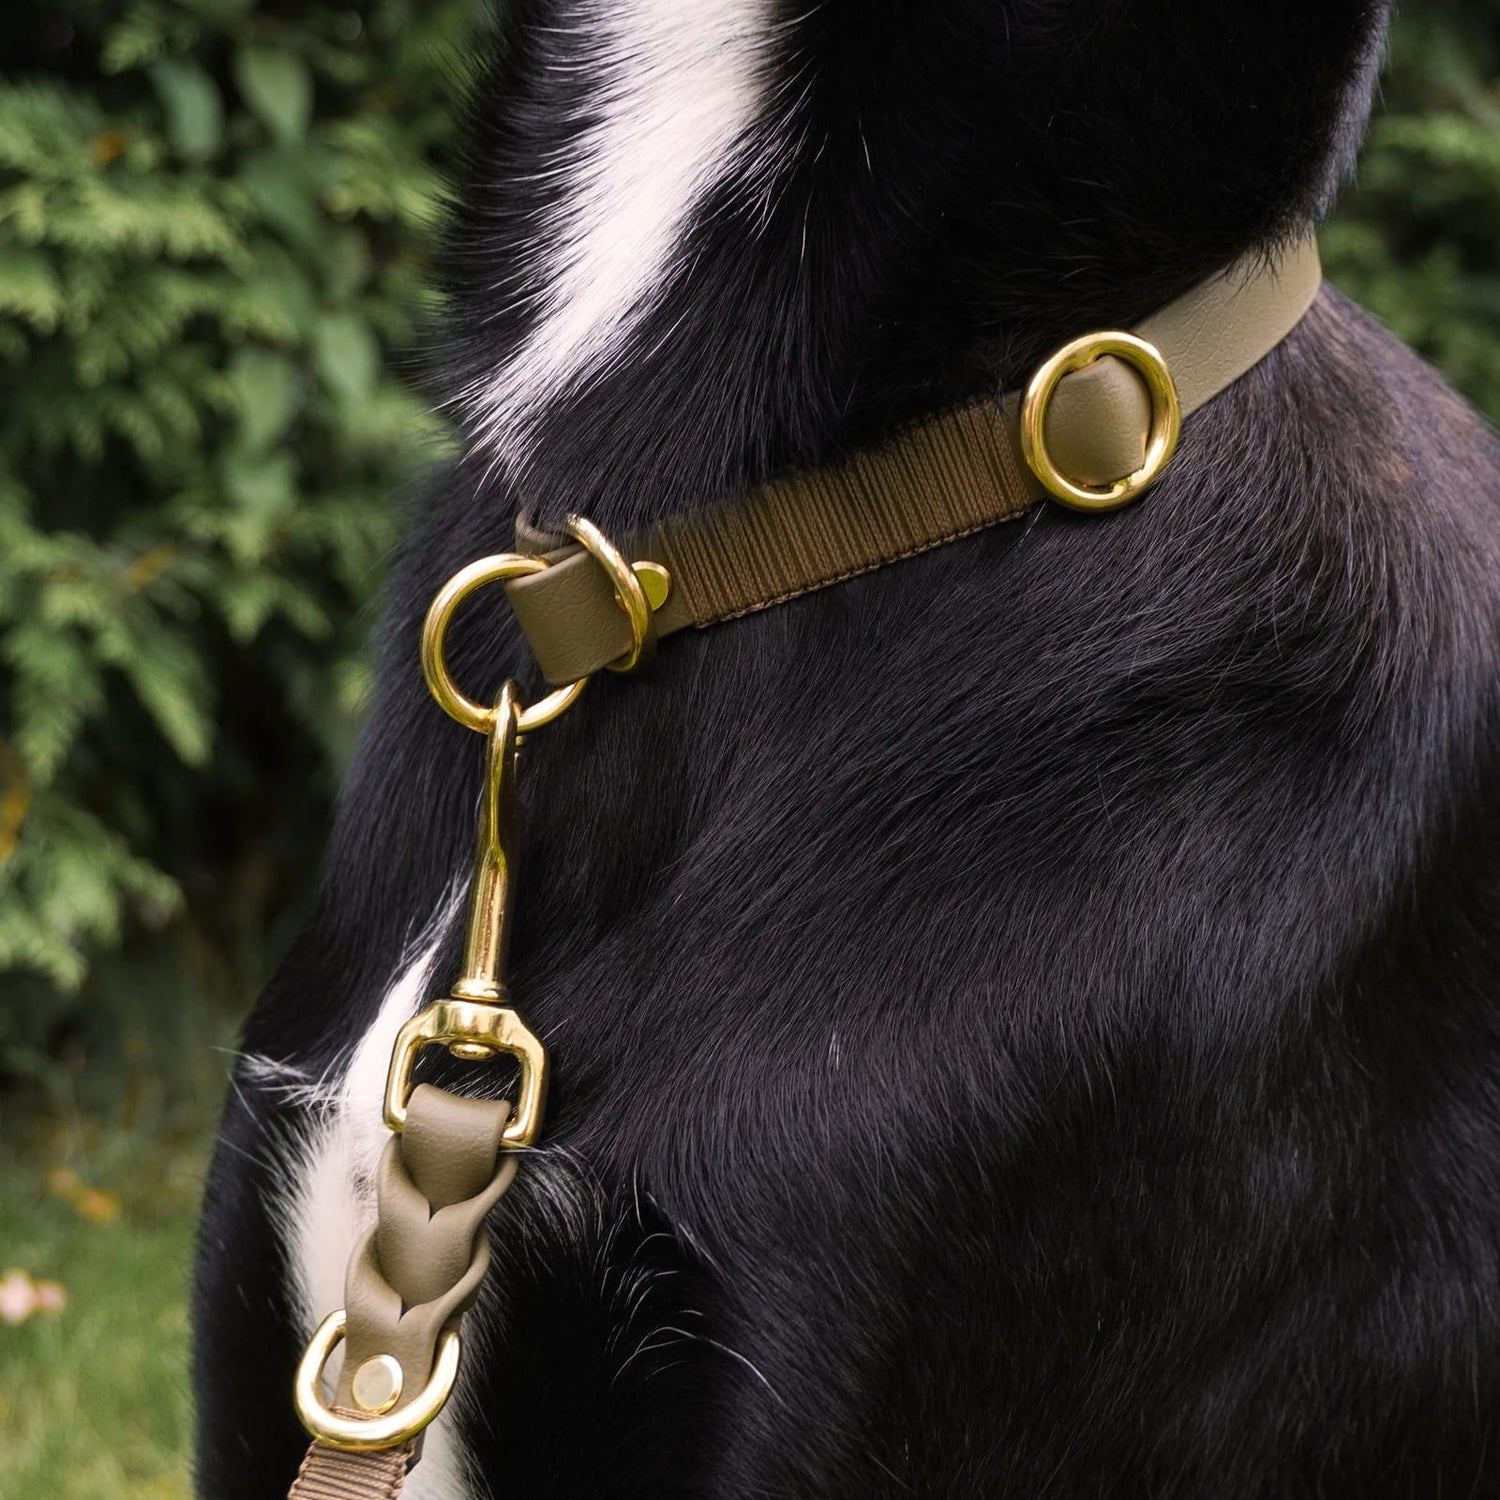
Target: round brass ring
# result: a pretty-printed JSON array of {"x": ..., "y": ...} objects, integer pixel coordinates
[
  {"x": 455, "y": 704},
  {"x": 1166, "y": 419},
  {"x": 629, "y": 594},
  {"x": 369, "y": 1434}
]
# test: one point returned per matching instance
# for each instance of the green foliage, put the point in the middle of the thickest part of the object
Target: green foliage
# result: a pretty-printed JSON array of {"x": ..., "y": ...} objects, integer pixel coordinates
[
  {"x": 214, "y": 222},
  {"x": 1418, "y": 240}
]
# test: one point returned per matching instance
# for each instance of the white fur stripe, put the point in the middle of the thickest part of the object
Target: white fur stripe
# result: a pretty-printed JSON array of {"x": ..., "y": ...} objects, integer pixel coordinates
[
  {"x": 678, "y": 82},
  {"x": 332, "y": 1198}
]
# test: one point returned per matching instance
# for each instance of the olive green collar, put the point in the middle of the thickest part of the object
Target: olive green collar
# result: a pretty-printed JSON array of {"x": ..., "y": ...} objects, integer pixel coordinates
[{"x": 1095, "y": 427}]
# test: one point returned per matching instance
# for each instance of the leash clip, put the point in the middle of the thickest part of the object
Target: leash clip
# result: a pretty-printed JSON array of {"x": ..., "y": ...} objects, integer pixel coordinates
[{"x": 475, "y": 1023}]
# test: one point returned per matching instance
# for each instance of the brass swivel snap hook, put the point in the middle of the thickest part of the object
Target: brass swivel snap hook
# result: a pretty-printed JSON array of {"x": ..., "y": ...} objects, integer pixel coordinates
[{"x": 476, "y": 1022}]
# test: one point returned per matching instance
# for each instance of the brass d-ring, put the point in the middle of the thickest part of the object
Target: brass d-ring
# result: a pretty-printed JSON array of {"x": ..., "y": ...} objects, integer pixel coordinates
[
  {"x": 1166, "y": 419},
  {"x": 455, "y": 704},
  {"x": 369, "y": 1434},
  {"x": 629, "y": 594}
]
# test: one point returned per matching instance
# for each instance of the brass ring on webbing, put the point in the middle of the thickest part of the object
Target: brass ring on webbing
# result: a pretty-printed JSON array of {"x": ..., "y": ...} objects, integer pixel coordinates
[
  {"x": 455, "y": 704},
  {"x": 369, "y": 1434},
  {"x": 630, "y": 595},
  {"x": 1166, "y": 419}
]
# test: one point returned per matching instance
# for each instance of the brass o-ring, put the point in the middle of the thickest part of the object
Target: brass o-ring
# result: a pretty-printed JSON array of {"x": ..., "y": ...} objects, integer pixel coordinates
[
  {"x": 369, "y": 1434},
  {"x": 1166, "y": 419},
  {"x": 454, "y": 703}
]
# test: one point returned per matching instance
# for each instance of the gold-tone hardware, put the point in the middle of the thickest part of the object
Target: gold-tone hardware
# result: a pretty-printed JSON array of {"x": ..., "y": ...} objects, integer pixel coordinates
[
  {"x": 656, "y": 581},
  {"x": 471, "y": 1051},
  {"x": 369, "y": 1434},
  {"x": 630, "y": 593},
  {"x": 377, "y": 1383},
  {"x": 475, "y": 1023},
  {"x": 496, "y": 1027},
  {"x": 1166, "y": 419},
  {"x": 491, "y": 894},
  {"x": 455, "y": 704}
]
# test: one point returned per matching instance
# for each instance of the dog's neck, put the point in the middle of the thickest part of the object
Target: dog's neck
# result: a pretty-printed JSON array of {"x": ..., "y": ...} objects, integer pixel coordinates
[{"x": 712, "y": 239}]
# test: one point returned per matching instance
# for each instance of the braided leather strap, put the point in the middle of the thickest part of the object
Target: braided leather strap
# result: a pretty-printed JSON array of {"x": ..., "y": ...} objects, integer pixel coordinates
[{"x": 412, "y": 1276}]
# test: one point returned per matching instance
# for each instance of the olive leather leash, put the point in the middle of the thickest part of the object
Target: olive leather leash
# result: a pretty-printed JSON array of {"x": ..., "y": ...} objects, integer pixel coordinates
[
  {"x": 1095, "y": 427},
  {"x": 412, "y": 1275}
]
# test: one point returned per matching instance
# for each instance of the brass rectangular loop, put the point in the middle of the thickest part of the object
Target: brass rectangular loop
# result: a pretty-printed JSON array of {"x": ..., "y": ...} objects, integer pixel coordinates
[{"x": 483, "y": 1032}]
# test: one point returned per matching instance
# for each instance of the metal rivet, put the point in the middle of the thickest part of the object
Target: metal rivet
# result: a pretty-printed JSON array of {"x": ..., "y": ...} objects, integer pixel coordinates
[
  {"x": 656, "y": 582},
  {"x": 377, "y": 1384},
  {"x": 472, "y": 1051}
]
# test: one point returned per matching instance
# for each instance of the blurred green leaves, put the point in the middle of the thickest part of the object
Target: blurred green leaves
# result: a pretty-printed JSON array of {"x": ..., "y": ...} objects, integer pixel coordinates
[
  {"x": 215, "y": 217},
  {"x": 278, "y": 87},
  {"x": 195, "y": 113},
  {"x": 1417, "y": 240}
]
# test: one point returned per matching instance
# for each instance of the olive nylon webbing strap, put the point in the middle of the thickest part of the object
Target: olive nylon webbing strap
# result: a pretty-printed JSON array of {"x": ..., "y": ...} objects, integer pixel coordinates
[
  {"x": 931, "y": 484},
  {"x": 332, "y": 1474},
  {"x": 934, "y": 482},
  {"x": 941, "y": 481}
]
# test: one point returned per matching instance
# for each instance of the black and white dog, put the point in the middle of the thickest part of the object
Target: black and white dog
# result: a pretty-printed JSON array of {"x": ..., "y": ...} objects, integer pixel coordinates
[{"x": 1025, "y": 1022}]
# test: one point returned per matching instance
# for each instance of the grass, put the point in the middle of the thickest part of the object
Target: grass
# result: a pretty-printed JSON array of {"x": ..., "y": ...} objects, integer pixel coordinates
[
  {"x": 99, "y": 1187},
  {"x": 94, "y": 1400}
]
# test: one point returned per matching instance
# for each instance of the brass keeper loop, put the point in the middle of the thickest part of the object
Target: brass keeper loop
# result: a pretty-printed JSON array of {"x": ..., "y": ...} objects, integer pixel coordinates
[
  {"x": 369, "y": 1434},
  {"x": 1166, "y": 419},
  {"x": 440, "y": 684},
  {"x": 630, "y": 595}
]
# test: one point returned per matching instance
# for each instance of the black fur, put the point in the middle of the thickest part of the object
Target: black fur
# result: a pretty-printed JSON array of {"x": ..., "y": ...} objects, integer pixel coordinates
[{"x": 1024, "y": 1021}]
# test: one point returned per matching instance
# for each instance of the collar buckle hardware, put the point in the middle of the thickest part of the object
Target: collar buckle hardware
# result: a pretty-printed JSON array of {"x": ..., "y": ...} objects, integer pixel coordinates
[
  {"x": 640, "y": 589},
  {"x": 456, "y": 704}
]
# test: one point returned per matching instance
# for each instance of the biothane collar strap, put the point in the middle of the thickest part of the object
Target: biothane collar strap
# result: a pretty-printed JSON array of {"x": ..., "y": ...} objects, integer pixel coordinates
[{"x": 1095, "y": 428}]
